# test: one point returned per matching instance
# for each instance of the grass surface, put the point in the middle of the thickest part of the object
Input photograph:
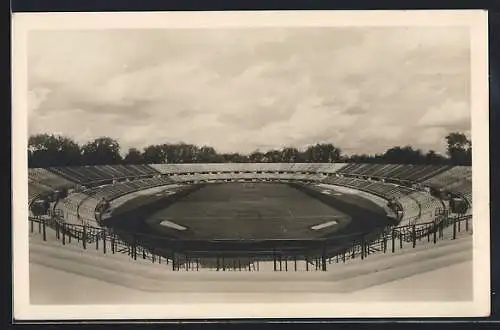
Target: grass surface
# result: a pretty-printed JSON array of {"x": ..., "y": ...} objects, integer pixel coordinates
[{"x": 250, "y": 211}]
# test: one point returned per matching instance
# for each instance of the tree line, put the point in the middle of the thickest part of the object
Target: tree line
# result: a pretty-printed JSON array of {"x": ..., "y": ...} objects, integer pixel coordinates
[{"x": 45, "y": 150}]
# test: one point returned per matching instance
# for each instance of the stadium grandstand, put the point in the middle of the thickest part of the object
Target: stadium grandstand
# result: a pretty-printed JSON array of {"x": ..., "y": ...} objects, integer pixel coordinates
[{"x": 411, "y": 195}]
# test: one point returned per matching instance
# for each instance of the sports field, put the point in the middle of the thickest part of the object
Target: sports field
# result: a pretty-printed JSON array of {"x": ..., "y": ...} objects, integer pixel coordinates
[{"x": 249, "y": 211}]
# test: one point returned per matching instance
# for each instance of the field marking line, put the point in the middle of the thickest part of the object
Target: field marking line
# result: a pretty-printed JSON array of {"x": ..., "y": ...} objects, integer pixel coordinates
[{"x": 323, "y": 216}]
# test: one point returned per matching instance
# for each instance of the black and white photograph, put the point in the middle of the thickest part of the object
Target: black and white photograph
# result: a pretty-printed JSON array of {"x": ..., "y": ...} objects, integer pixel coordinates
[{"x": 250, "y": 164}]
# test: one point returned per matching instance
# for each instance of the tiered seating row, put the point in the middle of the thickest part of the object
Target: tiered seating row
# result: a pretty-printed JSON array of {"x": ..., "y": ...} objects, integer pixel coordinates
[
  {"x": 49, "y": 179},
  {"x": 82, "y": 205},
  {"x": 418, "y": 206},
  {"x": 447, "y": 178},
  {"x": 192, "y": 177},
  {"x": 457, "y": 180},
  {"x": 416, "y": 173},
  {"x": 87, "y": 174},
  {"x": 35, "y": 190},
  {"x": 248, "y": 167}
]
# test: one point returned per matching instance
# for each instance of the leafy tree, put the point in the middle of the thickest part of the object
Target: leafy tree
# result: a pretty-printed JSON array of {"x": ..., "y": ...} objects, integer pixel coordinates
[
  {"x": 273, "y": 156},
  {"x": 432, "y": 157},
  {"x": 459, "y": 148},
  {"x": 186, "y": 153},
  {"x": 154, "y": 154},
  {"x": 290, "y": 155},
  {"x": 102, "y": 151},
  {"x": 365, "y": 158},
  {"x": 207, "y": 155},
  {"x": 322, "y": 153},
  {"x": 133, "y": 156},
  {"x": 256, "y": 157},
  {"x": 45, "y": 150},
  {"x": 403, "y": 155},
  {"x": 234, "y": 158}
]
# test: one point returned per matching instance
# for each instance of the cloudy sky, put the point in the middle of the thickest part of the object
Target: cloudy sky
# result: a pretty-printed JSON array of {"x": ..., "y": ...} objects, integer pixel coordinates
[{"x": 365, "y": 90}]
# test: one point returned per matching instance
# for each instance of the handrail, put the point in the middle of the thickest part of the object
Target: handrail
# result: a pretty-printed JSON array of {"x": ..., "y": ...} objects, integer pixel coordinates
[{"x": 390, "y": 240}]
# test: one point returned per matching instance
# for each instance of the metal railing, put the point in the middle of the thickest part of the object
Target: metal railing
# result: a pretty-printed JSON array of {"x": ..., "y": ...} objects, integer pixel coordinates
[{"x": 232, "y": 254}]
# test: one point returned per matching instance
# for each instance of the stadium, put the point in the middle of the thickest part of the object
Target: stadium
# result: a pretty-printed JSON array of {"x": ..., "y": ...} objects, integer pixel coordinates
[
  {"x": 172, "y": 163},
  {"x": 219, "y": 216}
]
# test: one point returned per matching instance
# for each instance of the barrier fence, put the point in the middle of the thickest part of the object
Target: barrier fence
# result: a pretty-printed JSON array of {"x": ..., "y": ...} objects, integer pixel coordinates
[{"x": 240, "y": 255}]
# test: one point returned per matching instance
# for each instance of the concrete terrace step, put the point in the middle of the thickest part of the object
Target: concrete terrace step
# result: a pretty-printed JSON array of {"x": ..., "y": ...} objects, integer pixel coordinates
[
  {"x": 408, "y": 249},
  {"x": 339, "y": 278},
  {"x": 401, "y": 272},
  {"x": 36, "y": 243},
  {"x": 407, "y": 256},
  {"x": 246, "y": 282}
]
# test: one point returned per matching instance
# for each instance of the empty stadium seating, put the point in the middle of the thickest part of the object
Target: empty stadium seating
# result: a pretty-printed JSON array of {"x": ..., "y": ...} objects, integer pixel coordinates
[
  {"x": 42, "y": 182},
  {"x": 384, "y": 180},
  {"x": 81, "y": 206},
  {"x": 418, "y": 206},
  {"x": 415, "y": 173},
  {"x": 248, "y": 167},
  {"x": 94, "y": 174}
]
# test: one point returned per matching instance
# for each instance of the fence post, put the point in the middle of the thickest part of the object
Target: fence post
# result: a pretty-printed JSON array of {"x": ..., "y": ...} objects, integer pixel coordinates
[
  {"x": 57, "y": 230},
  {"x": 96, "y": 241},
  {"x": 459, "y": 224},
  {"x": 44, "y": 231},
  {"x": 84, "y": 237},
  {"x": 362, "y": 248},
  {"x": 40, "y": 226},
  {"x": 64, "y": 234},
  {"x": 113, "y": 244},
  {"x": 134, "y": 248},
  {"x": 467, "y": 224},
  {"x": 295, "y": 262},
  {"x": 217, "y": 263},
  {"x": 31, "y": 225},
  {"x": 307, "y": 264},
  {"x": 274, "y": 260},
  {"x": 400, "y": 241},
  {"x": 393, "y": 238},
  {"x": 414, "y": 236},
  {"x": 455, "y": 228},
  {"x": 104, "y": 242},
  {"x": 343, "y": 256},
  {"x": 434, "y": 230}
]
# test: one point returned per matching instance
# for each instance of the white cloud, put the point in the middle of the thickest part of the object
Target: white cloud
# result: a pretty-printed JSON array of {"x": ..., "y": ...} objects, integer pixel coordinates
[
  {"x": 449, "y": 113},
  {"x": 238, "y": 90}
]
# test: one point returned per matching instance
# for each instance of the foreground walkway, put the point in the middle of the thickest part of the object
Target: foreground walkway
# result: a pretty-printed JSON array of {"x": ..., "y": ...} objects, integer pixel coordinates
[{"x": 69, "y": 275}]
